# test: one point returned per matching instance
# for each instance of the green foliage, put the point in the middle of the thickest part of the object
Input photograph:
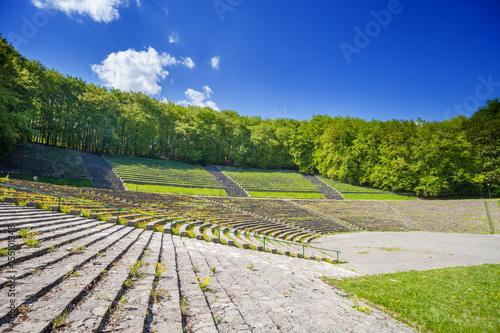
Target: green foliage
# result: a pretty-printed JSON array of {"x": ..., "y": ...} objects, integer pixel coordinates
[
  {"x": 14, "y": 97},
  {"x": 482, "y": 131},
  {"x": 458, "y": 299}
]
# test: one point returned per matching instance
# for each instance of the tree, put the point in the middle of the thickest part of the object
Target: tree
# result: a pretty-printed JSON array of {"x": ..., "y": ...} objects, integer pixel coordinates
[
  {"x": 14, "y": 118},
  {"x": 482, "y": 130}
]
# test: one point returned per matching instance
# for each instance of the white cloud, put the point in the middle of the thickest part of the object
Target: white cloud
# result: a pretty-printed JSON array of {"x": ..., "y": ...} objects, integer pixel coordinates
[
  {"x": 188, "y": 62},
  {"x": 197, "y": 98},
  {"x": 173, "y": 38},
  {"x": 138, "y": 3},
  {"x": 136, "y": 71},
  {"x": 100, "y": 11},
  {"x": 215, "y": 62}
]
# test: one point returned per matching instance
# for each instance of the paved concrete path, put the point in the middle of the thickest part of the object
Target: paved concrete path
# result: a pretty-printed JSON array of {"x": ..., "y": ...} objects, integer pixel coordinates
[{"x": 384, "y": 252}]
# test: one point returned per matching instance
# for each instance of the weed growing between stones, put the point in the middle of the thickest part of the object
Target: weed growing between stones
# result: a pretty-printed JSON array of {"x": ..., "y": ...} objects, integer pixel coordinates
[
  {"x": 26, "y": 232},
  {"x": 5, "y": 251},
  {"x": 135, "y": 269},
  {"x": 158, "y": 228},
  {"x": 213, "y": 269},
  {"x": 156, "y": 295},
  {"x": 250, "y": 266},
  {"x": 32, "y": 241},
  {"x": 360, "y": 308},
  {"x": 121, "y": 302},
  {"x": 203, "y": 283},
  {"x": 159, "y": 269},
  {"x": 184, "y": 307},
  {"x": 78, "y": 249},
  {"x": 60, "y": 320},
  {"x": 175, "y": 228}
]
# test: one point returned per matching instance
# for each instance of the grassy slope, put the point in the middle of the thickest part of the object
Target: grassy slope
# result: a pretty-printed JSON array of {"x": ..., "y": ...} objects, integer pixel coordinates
[
  {"x": 53, "y": 180},
  {"x": 259, "y": 194},
  {"x": 364, "y": 193},
  {"x": 273, "y": 183},
  {"x": 175, "y": 189},
  {"x": 174, "y": 177},
  {"x": 457, "y": 299}
]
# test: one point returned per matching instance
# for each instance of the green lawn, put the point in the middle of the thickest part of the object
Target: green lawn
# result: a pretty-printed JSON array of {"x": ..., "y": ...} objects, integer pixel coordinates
[
  {"x": 457, "y": 299},
  {"x": 355, "y": 192},
  {"x": 175, "y": 189},
  {"x": 161, "y": 172},
  {"x": 270, "y": 180},
  {"x": 303, "y": 195},
  {"x": 53, "y": 180}
]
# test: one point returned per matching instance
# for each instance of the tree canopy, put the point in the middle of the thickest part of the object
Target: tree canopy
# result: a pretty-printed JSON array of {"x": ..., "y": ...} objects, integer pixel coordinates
[{"x": 41, "y": 105}]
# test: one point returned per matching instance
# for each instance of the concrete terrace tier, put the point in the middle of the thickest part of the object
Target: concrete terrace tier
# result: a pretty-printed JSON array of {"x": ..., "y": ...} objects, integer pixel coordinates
[{"x": 122, "y": 279}]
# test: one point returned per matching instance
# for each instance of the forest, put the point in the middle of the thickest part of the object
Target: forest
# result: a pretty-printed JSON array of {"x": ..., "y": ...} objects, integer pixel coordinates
[{"x": 456, "y": 156}]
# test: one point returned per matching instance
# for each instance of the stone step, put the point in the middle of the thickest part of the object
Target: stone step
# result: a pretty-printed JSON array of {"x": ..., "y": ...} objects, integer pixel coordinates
[
  {"x": 219, "y": 301},
  {"x": 185, "y": 226},
  {"x": 56, "y": 233},
  {"x": 37, "y": 284},
  {"x": 29, "y": 252},
  {"x": 199, "y": 317},
  {"x": 35, "y": 216},
  {"x": 166, "y": 313},
  {"x": 42, "y": 230},
  {"x": 256, "y": 320},
  {"x": 31, "y": 264},
  {"x": 24, "y": 211},
  {"x": 60, "y": 298},
  {"x": 131, "y": 315},
  {"x": 151, "y": 225},
  {"x": 273, "y": 294},
  {"x": 26, "y": 223},
  {"x": 90, "y": 314}
]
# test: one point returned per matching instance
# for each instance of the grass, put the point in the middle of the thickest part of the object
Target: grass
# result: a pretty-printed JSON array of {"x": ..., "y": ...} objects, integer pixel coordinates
[
  {"x": 303, "y": 195},
  {"x": 61, "y": 319},
  {"x": 356, "y": 192},
  {"x": 5, "y": 251},
  {"x": 270, "y": 180},
  {"x": 53, "y": 180},
  {"x": 377, "y": 196},
  {"x": 457, "y": 299},
  {"x": 161, "y": 172},
  {"x": 31, "y": 241},
  {"x": 184, "y": 307},
  {"x": 175, "y": 189}
]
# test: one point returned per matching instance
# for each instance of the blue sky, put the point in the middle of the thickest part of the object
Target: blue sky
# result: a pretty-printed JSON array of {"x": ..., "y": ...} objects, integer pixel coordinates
[{"x": 274, "y": 58}]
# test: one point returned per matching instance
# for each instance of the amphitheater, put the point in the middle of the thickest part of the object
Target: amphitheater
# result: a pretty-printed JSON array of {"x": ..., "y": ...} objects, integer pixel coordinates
[{"x": 104, "y": 259}]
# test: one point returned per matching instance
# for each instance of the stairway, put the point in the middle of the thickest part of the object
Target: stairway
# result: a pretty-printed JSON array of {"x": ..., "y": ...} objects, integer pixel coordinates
[
  {"x": 232, "y": 189},
  {"x": 120, "y": 279},
  {"x": 101, "y": 172},
  {"x": 327, "y": 191}
]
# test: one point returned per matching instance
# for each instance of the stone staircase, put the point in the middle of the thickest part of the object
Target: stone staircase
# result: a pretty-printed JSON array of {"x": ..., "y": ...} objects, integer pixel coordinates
[
  {"x": 232, "y": 189},
  {"x": 113, "y": 278},
  {"x": 101, "y": 172},
  {"x": 327, "y": 190}
]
